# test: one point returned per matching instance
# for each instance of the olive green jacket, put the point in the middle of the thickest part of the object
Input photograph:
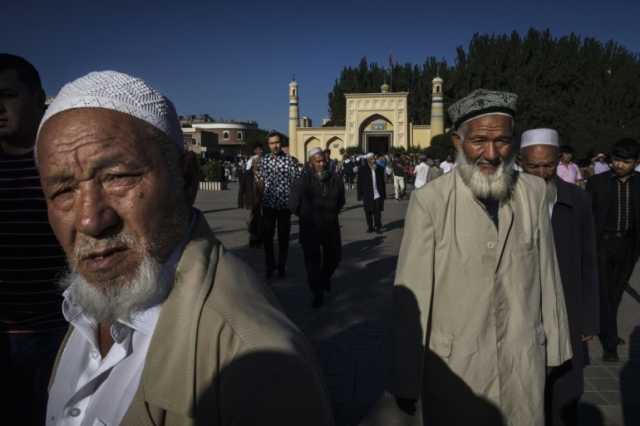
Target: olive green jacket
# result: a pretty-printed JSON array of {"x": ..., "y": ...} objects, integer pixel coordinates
[
  {"x": 223, "y": 353},
  {"x": 486, "y": 303}
]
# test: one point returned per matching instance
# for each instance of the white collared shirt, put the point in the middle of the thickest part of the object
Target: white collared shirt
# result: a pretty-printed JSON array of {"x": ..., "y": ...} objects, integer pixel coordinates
[
  {"x": 89, "y": 390},
  {"x": 376, "y": 194}
]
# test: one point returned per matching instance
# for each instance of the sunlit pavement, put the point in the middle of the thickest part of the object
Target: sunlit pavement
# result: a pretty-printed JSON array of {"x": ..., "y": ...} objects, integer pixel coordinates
[{"x": 351, "y": 331}]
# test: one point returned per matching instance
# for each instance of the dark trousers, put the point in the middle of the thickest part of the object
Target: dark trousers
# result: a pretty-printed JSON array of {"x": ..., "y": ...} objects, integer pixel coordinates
[
  {"x": 616, "y": 260},
  {"x": 255, "y": 225},
  {"x": 26, "y": 361},
  {"x": 271, "y": 217},
  {"x": 322, "y": 255},
  {"x": 374, "y": 214}
]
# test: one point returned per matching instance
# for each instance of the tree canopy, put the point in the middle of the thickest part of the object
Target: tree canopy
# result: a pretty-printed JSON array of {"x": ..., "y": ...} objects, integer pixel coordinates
[{"x": 586, "y": 89}]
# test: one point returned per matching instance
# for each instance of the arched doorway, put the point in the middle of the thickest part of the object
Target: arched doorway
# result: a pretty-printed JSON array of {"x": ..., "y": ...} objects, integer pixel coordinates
[
  {"x": 376, "y": 134},
  {"x": 334, "y": 145},
  {"x": 309, "y": 144}
]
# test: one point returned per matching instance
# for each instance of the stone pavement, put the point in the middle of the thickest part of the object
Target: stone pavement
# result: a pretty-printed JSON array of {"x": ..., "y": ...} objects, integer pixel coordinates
[{"x": 351, "y": 332}]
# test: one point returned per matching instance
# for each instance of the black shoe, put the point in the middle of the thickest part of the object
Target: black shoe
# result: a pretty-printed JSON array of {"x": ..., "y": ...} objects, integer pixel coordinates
[
  {"x": 282, "y": 272},
  {"x": 318, "y": 300},
  {"x": 378, "y": 230},
  {"x": 327, "y": 286},
  {"x": 369, "y": 230},
  {"x": 621, "y": 341},
  {"x": 610, "y": 357}
]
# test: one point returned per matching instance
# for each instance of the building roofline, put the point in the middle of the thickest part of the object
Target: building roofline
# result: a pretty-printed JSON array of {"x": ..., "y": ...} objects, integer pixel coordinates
[{"x": 376, "y": 94}]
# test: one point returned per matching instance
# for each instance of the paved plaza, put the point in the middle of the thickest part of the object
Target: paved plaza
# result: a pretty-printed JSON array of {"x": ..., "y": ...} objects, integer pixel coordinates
[{"x": 351, "y": 333}]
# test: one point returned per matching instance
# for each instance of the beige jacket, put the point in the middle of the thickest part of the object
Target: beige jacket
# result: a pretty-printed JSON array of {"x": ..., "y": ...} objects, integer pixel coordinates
[
  {"x": 223, "y": 353},
  {"x": 487, "y": 303}
]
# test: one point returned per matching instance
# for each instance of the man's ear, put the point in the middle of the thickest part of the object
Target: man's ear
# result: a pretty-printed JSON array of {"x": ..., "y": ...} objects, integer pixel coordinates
[
  {"x": 191, "y": 175},
  {"x": 457, "y": 141}
]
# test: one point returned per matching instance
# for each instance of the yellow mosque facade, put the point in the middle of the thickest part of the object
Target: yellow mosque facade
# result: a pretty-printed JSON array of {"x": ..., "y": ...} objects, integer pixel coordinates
[{"x": 375, "y": 122}]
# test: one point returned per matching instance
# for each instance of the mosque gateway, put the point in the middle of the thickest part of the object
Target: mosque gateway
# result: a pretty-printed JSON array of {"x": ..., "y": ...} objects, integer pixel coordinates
[{"x": 375, "y": 122}]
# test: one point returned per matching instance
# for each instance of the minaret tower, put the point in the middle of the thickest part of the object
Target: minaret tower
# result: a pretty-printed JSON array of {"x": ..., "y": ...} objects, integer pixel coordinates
[
  {"x": 437, "y": 108},
  {"x": 293, "y": 117}
]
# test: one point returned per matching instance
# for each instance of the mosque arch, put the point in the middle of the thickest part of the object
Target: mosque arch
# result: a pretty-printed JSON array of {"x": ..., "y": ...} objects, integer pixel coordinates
[
  {"x": 335, "y": 144},
  {"x": 310, "y": 143},
  {"x": 375, "y": 134}
]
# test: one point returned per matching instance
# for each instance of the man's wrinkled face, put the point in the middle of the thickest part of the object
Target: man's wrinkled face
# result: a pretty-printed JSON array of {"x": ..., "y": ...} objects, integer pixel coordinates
[
  {"x": 540, "y": 160},
  {"x": 487, "y": 142},
  {"x": 111, "y": 197},
  {"x": 274, "y": 143},
  {"x": 20, "y": 107},
  {"x": 623, "y": 166},
  {"x": 371, "y": 161},
  {"x": 318, "y": 163}
]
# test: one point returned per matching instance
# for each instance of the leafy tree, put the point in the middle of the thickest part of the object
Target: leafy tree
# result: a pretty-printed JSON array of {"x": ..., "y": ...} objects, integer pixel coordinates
[{"x": 586, "y": 89}]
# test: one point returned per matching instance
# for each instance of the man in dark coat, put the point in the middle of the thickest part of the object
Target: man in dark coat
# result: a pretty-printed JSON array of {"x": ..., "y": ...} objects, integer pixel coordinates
[
  {"x": 372, "y": 192},
  {"x": 249, "y": 197},
  {"x": 616, "y": 208},
  {"x": 316, "y": 199},
  {"x": 574, "y": 236}
]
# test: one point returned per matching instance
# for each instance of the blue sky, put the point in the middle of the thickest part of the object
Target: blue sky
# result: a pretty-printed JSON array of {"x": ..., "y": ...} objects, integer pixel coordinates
[{"x": 234, "y": 59}]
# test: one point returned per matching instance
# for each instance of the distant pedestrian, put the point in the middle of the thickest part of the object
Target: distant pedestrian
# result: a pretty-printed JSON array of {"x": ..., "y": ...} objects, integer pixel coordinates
[
  {"x": 567, "y": 169},
  {"x": 278, "y": 171},
  {"x": 423, "y": 172},
  {"x": 316, "y": 199},
  {"x": 447, "y": 165},
  {"x": 349, "y": 170},
  {"x": 574, "y": 237},
  {"x": 600, "y": 164},
  {"x": 332, "y": 164},
  {"x": 616, "y": 208},
  {"x": 399, "y": 178},
  {"x": 250, "y": 196},
  {"x": 372, "y": 192}
]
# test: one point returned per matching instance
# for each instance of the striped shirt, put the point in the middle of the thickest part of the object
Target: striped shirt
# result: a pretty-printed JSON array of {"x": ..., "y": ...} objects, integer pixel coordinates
[{"x": 31, "y": 259}]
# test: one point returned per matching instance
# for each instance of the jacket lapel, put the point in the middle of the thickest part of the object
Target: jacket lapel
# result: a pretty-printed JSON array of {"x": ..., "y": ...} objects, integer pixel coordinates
[{"x": 167, "y": 378}]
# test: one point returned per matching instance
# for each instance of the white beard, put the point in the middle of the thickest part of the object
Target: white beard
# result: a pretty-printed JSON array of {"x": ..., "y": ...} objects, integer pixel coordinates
[
  {"x": 497, "y": 186},
  {"x": 119, "y": 301}
]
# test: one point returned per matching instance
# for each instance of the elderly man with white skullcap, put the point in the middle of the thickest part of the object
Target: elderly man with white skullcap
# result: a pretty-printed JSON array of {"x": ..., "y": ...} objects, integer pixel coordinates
[
  {"x": 574, "y": 236},
  {"x": 166, "y": 327},
  {"x": 479, "y": 309}
]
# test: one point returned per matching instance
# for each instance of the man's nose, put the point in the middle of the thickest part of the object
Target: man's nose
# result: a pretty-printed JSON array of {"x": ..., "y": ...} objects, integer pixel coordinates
[
  {"x": 95, "y": 217},
  {"x": 490, "y": 152}
]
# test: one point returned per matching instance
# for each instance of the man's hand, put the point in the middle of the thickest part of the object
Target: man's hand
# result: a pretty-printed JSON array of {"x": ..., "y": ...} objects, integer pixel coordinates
[{"x": 586, "y": 338}]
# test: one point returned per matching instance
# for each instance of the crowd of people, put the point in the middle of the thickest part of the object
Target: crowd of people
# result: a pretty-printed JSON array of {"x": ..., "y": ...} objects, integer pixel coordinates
[{"x": 502, "y": 275}]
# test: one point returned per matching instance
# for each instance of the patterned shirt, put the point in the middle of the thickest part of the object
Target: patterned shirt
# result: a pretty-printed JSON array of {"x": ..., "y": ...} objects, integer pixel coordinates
[{"x": 277, "y": 173}]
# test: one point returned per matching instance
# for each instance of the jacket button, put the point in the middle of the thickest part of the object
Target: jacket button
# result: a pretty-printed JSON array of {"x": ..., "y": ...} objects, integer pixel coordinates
[
  {"x": 74, "y": 412},
  {"x": 491, "y": 244}
]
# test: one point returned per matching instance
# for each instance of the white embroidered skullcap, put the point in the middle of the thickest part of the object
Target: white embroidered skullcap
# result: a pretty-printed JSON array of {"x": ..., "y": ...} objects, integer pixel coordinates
[
  {"x": 369, "y": 155},
  {"x": 314, "y": 151},
  {"x": 119, "y": 92},
  {"x": 533, "y": 137}
]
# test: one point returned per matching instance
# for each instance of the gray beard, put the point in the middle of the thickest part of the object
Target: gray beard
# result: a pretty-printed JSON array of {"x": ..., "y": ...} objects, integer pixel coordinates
[
  {"x": 497, "y": 186},
  {"x": 119, "y": 301}
]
